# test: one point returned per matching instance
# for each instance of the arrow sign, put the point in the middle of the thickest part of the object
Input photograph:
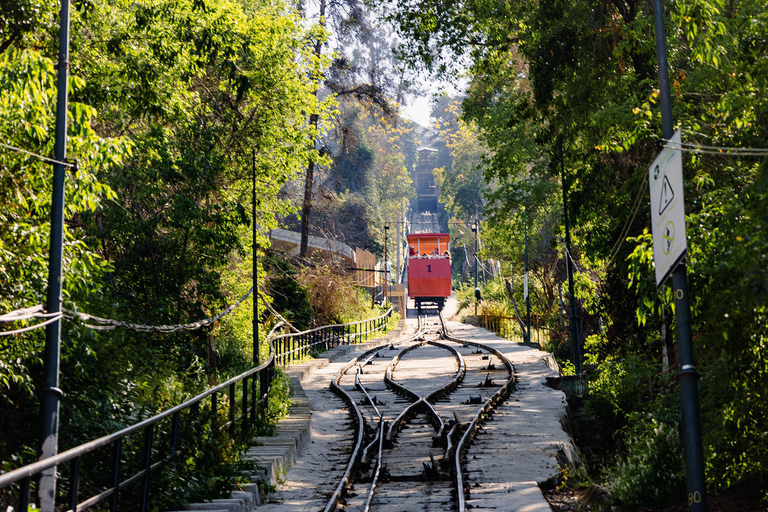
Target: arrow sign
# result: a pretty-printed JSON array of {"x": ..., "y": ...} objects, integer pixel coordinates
[{"x": 665, "y": 177}]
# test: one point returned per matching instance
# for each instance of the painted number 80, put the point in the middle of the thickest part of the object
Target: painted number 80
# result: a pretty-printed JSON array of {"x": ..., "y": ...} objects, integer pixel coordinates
[{"x": 694, "y": 498}]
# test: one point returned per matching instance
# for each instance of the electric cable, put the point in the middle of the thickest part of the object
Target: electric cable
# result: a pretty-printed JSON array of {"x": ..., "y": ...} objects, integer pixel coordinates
[
  {"x": 691, "y": 147},
  {"x": 40, "y": 157},
  {"x": 32, "y": 327},
  {"x": 628, "y": 224}
]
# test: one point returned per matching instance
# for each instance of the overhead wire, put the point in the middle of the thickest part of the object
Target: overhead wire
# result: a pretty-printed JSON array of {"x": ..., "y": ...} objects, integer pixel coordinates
[
  {"x": 28, "y": 313},
  {"x": 25, "y": 314},
  {"x": 108, "y": 324},
  {"x": 35, "y": 155},
  {"x": 691, "y": 147},
  {"x": 55, "y": 318},
  {"x": 628, "y": 224},
  {"x": 568, "y": 254}
]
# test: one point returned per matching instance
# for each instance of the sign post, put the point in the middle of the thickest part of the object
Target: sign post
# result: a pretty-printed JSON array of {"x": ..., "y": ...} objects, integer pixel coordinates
[{"x": 669, "y": 247}]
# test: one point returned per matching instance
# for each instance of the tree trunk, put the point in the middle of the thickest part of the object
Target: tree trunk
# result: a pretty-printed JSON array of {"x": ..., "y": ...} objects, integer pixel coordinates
[{"x": 306, "y": 206}]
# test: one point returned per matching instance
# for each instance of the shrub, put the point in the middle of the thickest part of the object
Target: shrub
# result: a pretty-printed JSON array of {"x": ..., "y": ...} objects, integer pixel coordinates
[{"x": 653, "y": 473}]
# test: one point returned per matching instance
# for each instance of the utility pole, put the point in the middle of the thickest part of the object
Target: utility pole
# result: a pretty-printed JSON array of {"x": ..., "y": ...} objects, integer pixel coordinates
[
  {"x": 475, "y": 229},
  {"x": 688, "y": 377},
  {"x": 255, "y": 248},
  {"x": 386, "y": 265},
  {"x": 51, "y": 394},
  {"x": 525, "y": 289},
  {"x": 569, "y": 267}
]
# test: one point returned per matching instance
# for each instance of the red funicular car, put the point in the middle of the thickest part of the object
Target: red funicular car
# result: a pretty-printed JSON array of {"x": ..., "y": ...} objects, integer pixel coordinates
[{"x": 429, "y": 269}]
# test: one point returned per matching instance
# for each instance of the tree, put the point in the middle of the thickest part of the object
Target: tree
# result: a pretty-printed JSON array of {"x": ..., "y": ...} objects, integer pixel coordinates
[
  {"x": 462, "y": 186},
  {"x": 584, "y": 73},
  {"x": 27, "y": 111}
]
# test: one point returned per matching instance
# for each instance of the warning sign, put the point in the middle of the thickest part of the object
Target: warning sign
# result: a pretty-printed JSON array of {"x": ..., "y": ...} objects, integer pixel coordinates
[
  {"x": 667, "y": 195},
  {"x": 665, "y": 176}
]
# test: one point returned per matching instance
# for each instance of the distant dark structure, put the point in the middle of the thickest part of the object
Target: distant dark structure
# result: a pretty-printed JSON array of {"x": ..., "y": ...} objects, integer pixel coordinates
[{"x": 427, "y": 214}]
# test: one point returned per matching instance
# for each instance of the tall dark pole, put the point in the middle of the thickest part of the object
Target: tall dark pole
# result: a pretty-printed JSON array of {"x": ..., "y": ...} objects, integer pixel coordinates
[
  {"x": 475, "y": 229},
  {"x": 688, "y": 377},
  {"x": 569, "y": 267},
  {"x": 527, "y": 284},
  {"x": 255, "y": 269},
  {"x": 386, "y": 266},
  {"x": 51, "y": 394}
]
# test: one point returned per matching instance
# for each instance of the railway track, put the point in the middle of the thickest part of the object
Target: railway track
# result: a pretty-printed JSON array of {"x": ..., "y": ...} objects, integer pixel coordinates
[{"x": 416, "y": 405}]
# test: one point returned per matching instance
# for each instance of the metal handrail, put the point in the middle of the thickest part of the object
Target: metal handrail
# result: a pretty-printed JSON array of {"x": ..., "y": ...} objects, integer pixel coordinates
[
  {"x": 23, "y": 474},
  {"x": 387, "y": 313},
  {"x": 325, "y": 336},
  {"x": 36, "y": 467}
]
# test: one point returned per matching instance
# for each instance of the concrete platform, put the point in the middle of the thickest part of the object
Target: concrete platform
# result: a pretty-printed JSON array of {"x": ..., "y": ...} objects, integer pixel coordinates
[{"x": 514, "y": 451}]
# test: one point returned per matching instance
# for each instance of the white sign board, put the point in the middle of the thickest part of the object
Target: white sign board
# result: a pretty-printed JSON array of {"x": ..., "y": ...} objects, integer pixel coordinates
[
  {"x": 665, "y": 177},
  {"x": 525, "y": 287}
]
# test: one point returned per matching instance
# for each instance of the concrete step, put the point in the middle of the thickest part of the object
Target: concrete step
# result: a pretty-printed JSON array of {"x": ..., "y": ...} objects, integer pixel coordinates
[{"x": 273, "y": 454}]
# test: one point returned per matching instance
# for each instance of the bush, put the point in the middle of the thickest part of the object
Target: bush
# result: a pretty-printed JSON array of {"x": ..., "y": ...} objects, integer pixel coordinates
[
  {"x": 334, "y": 295},
  {"x": 290, "y": 295},
  {"x": 653, "y": 473}
]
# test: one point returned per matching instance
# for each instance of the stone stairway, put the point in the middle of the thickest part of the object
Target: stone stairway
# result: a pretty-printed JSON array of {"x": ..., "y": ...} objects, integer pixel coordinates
[{"x": 274, "y": 454}]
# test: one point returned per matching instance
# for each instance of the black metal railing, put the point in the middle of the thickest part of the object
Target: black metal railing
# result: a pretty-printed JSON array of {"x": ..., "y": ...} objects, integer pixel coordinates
[
  {"x": 242, "y": 397},
  {"x": 239, "y": 411},
  {"x": 297, "y": 346}
]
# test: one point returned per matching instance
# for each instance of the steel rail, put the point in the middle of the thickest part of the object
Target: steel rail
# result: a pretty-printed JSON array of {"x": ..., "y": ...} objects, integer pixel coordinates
[
  {"x": 333, "y": 502},
  {"x": 377, "y": 471},
  {"x": 359, "y": 386},
  {"x": 489, "y": 404},
  {"x": 425, "y": 401},
  {"x": 455, "y": 450}
]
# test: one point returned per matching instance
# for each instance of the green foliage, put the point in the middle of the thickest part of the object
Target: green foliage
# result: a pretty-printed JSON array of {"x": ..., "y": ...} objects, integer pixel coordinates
[
  {"x": 334, "y": 295},
  {"x": 584, "y": 74},
  {"x": 462, "y": 186},
  {"x": 168, "y": 100},
  {"x": 289, "y": 297},
  {"x": 653, "y": 473},
  {"x": 622, "y": 386},
  {"x": 27, "y": 107}
]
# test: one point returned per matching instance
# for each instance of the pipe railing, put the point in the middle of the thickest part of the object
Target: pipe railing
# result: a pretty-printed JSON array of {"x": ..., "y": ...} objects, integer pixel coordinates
[
  {"x": 296, "y": 346},
  {"x": 244, "y": 395},
  {"x": 254, "y": 388}
]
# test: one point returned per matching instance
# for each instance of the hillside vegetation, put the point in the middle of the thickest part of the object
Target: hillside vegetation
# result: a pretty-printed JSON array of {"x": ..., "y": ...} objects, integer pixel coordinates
[{"x": 581, "y": 76}]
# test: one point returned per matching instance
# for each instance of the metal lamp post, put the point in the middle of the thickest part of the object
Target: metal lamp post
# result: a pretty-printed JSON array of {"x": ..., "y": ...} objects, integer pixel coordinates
[
  {"x": 50, "y": 392},
  {"x": 687, "y": 376},
  {"x": 526, "y": 291},
  {"x": 386, "y": 278},
  {"x": 569, "y": 269},
  {"x": 255, "y": 271},
  {"x": 474, "y": 231}
]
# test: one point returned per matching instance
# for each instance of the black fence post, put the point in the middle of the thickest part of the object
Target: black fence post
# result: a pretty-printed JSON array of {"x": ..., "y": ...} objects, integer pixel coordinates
[
  {"x": 147, "y": 467},
  {"x": 254, "y": 395},
  {"x": 74, "y": 476},
  {"x": 214, "y": 406},
  {"x": 245, "y": 404},
  {"x": 24, "y": 495},
  {"x": 116, "y": 475},
  {"x": 232, "y": 410},
  {"x": 174, "y": 435}
]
